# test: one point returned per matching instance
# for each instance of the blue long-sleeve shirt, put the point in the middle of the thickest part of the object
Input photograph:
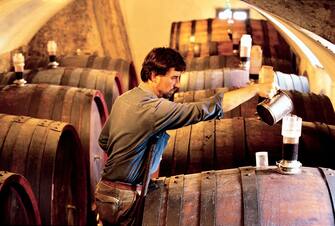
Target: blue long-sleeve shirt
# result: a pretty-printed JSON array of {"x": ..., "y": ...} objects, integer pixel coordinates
[{"x": 136, "y": 116}]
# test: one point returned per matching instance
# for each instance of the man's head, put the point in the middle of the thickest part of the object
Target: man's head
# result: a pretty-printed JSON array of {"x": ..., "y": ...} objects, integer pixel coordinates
[{"x": 163, "y": 67}]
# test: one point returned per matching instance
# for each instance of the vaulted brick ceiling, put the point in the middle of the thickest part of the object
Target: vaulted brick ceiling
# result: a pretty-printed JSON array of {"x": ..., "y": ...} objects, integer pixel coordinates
[{"x": 317, "y": 16}]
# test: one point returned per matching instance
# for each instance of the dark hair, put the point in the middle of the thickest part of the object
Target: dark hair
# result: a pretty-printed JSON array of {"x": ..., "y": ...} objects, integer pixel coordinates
[{"x": 160, "y": 60}]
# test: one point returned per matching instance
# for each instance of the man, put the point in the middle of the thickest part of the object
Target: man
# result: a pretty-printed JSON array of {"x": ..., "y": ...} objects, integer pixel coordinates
[{"x": 144, "y": 113}]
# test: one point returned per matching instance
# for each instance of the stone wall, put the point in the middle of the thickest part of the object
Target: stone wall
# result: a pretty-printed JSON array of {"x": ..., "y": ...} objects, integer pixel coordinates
[
  {"x": 5, "y": 62},
  {"x": 93, "y": 26},
  {"x": 317, "y": 16}
]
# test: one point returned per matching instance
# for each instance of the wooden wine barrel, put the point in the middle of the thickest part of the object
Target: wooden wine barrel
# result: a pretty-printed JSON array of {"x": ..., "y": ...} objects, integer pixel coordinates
[
  {"x": 108, "y": 82},
  {"x": 203, "y": 31},
  {"x": 50, "y": 156},
  {"x": 233, "y": 61},
  {"x": 85, "y": 109},
  {"x": 262, "y": 32},
  {"x": 312, "y": 107},
  {"x": 8, "y": 78},
  {"x": 243, "y": 196},
  {"x": 212, "y": 62},
  {"x": 34, "y": 62},
  {"x": 197, "y": 57},
  {"x": 193, "y": 50},
  {"x": 265, "y": 34},
  {"x": 292, "y": 82},
  {"x": 198, "y": 38},
  {"x": 197, "y": 95},
  {"x": 309, "y": 106},
  {"x": 126, "y": 69},
  {"x": 211, "y": 79},
  {"x": 235, "y": 78},
  {"x": 18, "y": 204},
  {"x": 228, "y": 143},
  {"x": 284, "y": 65}
]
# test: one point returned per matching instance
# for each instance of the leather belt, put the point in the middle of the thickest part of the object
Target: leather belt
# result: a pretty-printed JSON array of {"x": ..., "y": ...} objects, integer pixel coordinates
[{"x": 123, "y": 185}]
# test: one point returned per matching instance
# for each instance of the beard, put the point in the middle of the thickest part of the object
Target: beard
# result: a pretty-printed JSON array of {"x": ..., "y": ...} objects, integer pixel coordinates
[{"x": 170, "y": 94}]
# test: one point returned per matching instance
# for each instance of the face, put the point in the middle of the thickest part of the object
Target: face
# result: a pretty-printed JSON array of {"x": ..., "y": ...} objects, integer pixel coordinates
[{"x": 168, "y": 84}]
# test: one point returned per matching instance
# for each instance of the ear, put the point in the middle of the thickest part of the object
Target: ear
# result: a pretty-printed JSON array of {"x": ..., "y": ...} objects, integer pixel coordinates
[{"x": 154, "y": 78}]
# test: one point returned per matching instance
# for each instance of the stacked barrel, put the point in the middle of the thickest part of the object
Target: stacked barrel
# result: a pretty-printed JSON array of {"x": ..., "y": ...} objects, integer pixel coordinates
[
  {"x": 49, "y": 155},
  {"x": 196, "y": 148},
  {"x": 51, "y": 119},
  {"x": 216, "y": 37},
  {"x": 51, "y": 159},
  {"x": 206, "y": 173},
  {"x": 18, "y": 203}
]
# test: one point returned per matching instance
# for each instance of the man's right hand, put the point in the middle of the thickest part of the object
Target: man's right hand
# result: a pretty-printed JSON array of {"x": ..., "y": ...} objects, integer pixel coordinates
[{"x": 267, "y": 90}]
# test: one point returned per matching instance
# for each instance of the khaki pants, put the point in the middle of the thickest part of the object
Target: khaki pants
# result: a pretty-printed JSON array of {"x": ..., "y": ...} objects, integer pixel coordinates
[{"x": 114, "y": 205}]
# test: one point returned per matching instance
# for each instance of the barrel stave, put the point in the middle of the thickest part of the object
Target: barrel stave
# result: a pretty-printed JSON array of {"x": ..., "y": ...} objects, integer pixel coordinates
[
  {"x": 46, "y": 177},
  {"x": 174, "y": 210},
  {"x": 229, "y": 143},
  {"x": 35, "y": 157},
  {"x": 191, "y": 199},
  {"x": 195, "y": 155},
  {"x": 208, "y": 155},
  {"x": 181, "y": 145}
]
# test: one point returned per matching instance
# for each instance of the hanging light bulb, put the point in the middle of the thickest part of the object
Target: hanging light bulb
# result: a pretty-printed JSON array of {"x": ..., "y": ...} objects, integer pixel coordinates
[
  {"x": 225, "y": 14},
  {"x": 240, "y": 15}
]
